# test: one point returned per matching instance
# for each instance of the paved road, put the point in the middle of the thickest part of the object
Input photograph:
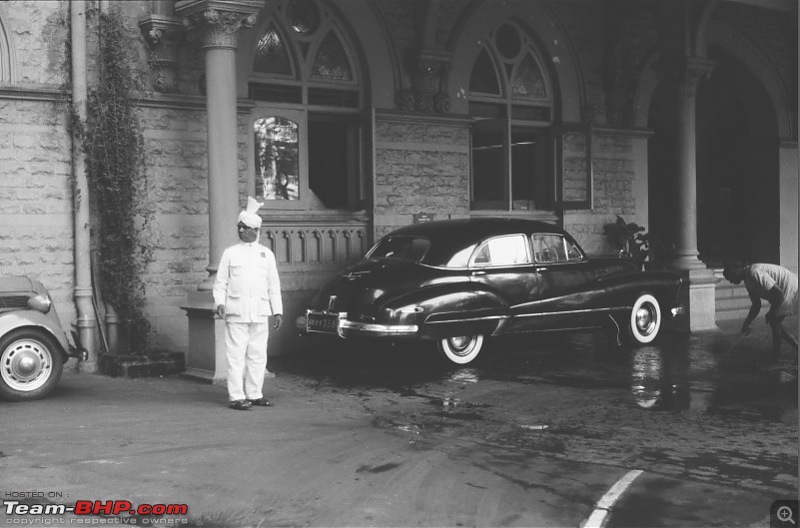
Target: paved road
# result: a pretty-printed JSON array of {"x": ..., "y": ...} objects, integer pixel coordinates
[{"x": 534, "y": 434}]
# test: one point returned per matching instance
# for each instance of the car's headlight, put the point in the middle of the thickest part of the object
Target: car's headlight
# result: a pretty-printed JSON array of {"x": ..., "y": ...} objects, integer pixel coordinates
[{"x": 40, "y": 303}]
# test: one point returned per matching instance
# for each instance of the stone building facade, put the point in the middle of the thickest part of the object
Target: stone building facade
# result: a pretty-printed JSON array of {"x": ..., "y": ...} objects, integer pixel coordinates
[{"x": 680, "y": 116}]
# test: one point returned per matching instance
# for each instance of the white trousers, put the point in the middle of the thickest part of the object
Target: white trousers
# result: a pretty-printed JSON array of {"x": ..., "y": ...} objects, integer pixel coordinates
[{"x": 246, "y": 348}]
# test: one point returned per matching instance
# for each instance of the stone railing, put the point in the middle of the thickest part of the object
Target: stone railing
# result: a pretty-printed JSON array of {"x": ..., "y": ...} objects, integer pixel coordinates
[{"x": 309, "y": 253}]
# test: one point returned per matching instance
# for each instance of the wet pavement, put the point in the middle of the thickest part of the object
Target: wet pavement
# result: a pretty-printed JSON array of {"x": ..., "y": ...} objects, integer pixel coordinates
[{"x": 533, "y": 433}]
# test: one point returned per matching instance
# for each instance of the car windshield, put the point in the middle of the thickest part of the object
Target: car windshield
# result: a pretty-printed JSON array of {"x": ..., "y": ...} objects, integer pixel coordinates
[{"x": 401, "y": 247}]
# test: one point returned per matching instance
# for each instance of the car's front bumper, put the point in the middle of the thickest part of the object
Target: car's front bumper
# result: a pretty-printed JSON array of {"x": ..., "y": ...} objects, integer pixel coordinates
[{"x": 320, "y": 322}]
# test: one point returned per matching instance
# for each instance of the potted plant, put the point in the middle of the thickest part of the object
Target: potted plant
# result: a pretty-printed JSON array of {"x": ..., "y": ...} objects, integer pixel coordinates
[{"x": 645, "y": 249}]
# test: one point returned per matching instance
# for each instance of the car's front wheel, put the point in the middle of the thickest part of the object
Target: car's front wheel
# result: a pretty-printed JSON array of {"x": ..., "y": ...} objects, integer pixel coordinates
[
  {"x": 30, "y": 364},
  {"x": 461, "y": 349},
  {"x": 645, "y": 319}
]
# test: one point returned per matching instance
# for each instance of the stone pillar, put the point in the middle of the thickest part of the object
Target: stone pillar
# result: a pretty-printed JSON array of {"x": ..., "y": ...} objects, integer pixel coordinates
[
  {"x": 682, "y": 75},
  {"x": 218, "y": 23}
]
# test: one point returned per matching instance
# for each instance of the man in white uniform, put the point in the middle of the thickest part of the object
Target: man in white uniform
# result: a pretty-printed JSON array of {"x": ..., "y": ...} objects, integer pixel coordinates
[
  {"x": 246, "y": 292},
  {"x": 775, "y": 284}
]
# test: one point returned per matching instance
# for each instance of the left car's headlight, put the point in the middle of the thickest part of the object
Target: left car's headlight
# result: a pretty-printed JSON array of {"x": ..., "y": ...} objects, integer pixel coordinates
[{"x": 40, "y": 303}]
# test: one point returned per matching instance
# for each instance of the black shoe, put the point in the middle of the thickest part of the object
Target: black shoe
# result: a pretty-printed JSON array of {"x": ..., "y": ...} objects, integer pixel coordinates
[
  {"x": 241, "y": 405},
  {"x": 261, "y": 402}
]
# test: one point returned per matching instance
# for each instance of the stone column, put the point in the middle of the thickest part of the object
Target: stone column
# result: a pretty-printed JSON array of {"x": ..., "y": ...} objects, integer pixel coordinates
[
  {"x": 682, "y": 76},
  {"x": 218, "y": 23}
]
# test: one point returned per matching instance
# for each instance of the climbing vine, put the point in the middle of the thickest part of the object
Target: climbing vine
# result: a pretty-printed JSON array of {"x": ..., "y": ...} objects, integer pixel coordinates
[{"x": 115, "y": 160}]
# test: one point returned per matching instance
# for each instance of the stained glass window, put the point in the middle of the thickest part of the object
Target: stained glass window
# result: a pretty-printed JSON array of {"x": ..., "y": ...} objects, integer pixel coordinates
[
  {"x": 271, "y": 54},
  {"x": 331, "y": 61},
  {"x": 484, "y": 75},
  {"x": 303, "y": 16},
  {"x": 528, "y": 82}
]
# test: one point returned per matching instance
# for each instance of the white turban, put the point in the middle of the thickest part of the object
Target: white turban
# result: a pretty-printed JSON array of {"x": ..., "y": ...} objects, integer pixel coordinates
[{"x": 249, "y": 216}]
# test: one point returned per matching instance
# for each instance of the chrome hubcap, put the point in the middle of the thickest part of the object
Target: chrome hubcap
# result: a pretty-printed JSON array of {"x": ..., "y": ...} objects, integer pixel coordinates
[
  {"x": 25, "y": 365},
  {"x": 460, "y": 344},
  {"x": 645, "y": 320}
]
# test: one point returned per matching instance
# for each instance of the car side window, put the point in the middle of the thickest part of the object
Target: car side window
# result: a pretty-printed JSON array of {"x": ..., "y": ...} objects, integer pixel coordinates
[
  {"x": 548, "y": 248},
  {"x": 507, "y": 250}
]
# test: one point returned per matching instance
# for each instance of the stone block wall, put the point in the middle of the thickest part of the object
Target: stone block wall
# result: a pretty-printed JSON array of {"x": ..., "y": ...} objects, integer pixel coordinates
[
  {"x": 618, "y": 188},
  {"x": 176, "y": 142},
  {"x": 36, "y": 227},
  {"x": 421, "y": 166}
]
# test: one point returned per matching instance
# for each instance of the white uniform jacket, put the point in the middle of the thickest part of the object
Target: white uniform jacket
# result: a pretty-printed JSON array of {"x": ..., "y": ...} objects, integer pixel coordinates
[{"x": 248, "y": 284}]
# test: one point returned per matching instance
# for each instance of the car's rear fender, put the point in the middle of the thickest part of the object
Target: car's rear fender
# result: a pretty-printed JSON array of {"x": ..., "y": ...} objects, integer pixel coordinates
[
  {"x": 623, "y": 290},
  {"x": 449, "y": 311},
  {"x": 10, "y": 321}
]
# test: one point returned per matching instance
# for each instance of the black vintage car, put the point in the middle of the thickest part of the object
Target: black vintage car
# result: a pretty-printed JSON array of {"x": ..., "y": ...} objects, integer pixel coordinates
[{"x": 456, "y": 282}]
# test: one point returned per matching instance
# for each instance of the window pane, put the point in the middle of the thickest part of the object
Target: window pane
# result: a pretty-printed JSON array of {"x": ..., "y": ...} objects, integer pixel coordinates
[
  {"x": 530, "y": 170},
  {"x": 573, "y": 253},
  {"x": 549, "y": 248},
  {"x": 528, "y": 82},
  {"x": 303, "y": 16},
  {"x": 332, "y": 163},
  {"x": 484, "y": 75},
  {"x": 508, "y": 41},
  {"x": 523, "y": 165},
  {"x": 488, "y": 181},
  {"x": 277, "y": 152},
  {"x": 401, "y": 248},
  {"x": 331, "y": 62},
  {"x": 272, "y": 55},
  {"x": 503, "y": 251}
]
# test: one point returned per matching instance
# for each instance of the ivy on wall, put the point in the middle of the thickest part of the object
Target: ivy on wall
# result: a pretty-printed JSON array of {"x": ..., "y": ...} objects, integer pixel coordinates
[{"x": 115, "y": 163}]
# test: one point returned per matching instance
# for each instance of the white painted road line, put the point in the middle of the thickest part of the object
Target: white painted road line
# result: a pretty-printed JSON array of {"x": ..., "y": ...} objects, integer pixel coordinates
[{"x": 603, "y": 506}]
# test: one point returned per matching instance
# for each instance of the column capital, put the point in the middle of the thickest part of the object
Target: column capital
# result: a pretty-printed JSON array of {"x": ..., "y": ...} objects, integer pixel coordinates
[
  {"x": 218, "y": 21},
  {"x": 687, "y": 72},
  {"x": 426, "y": 94}
]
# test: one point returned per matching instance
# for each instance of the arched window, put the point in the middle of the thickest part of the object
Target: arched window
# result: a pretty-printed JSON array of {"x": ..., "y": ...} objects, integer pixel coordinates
[
  {"x": 307, "y": 86},
  {"x": 511, "y": 99}
]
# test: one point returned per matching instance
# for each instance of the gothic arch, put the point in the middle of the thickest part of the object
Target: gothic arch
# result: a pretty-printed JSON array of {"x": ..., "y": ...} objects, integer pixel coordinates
[
  {"x": 731, "y": 40},
  {"x": 542, "y": 24},
  {"x": 8, "y": 56},
  {"x": 728, "y": 38},
  {"x": 365, "y": 28}
]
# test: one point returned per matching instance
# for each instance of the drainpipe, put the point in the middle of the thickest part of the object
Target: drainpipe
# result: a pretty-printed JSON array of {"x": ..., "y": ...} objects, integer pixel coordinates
[{"x": 87, "y": 320}]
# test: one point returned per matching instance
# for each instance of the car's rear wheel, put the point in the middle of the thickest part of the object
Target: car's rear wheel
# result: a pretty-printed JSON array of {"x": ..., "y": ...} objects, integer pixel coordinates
[
  {"x": 461, "y": 349},
  {"x": 30, "y": 364},
  {"x": 645, "y": 320}
]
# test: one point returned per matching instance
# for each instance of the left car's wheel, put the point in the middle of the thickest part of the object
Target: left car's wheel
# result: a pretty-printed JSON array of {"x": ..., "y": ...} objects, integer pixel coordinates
[
  {"x": 30, "y": 364},
  {"x": 461, "y": 349},
  {"x": 645, "y": 319}
]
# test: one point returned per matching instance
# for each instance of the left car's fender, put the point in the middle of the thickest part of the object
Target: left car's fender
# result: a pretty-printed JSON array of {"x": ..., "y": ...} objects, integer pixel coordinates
[{"x": 31, "y": 318}]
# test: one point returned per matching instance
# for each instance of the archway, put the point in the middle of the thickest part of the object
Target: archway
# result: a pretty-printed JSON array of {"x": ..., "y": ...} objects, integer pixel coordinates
[{"x": 738, "y": 179}]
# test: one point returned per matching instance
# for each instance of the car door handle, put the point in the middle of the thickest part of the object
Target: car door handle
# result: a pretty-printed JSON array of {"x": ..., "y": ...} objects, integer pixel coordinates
[{"x": 479, "y": 273}]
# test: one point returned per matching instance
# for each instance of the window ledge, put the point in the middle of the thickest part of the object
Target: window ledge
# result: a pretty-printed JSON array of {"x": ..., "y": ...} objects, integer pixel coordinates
[
  {"x": 314, "y": 217},
  {"x": 544, "y": 216}
]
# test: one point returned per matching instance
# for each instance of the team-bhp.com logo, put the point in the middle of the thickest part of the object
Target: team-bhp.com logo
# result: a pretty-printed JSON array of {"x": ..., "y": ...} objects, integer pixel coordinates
[{"x": 114, "y": 508}]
